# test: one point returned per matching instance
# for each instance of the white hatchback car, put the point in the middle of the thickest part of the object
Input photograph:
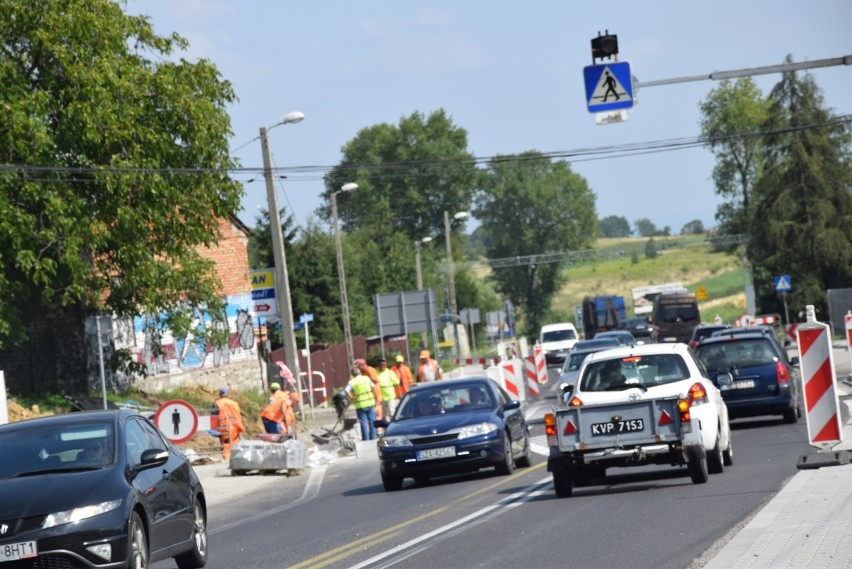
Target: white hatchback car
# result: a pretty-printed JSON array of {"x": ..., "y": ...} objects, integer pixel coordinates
[{"x": 656, "y": 371}]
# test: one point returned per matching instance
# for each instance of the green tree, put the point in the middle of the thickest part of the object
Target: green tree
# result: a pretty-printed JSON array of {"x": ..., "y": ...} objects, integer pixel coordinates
[
  {"x": 120, "y": 166},
  {"x": 615, "y": 226},
  {"x": 801, "y": 224},
  {"x": 694, "y": 227},
  {"x": 549, "y": 208},
  {"x": 732, "y": 116},
  {"x": 645, "y": 227},
  {"x": 651, "y": 248}
]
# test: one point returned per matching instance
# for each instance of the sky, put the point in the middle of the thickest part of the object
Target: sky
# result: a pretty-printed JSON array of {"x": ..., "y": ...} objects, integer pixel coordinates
[{"x": 508, "y": 72}]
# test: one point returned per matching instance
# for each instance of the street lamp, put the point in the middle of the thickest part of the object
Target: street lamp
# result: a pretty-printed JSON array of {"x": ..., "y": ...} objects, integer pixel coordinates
[
  {"x": 460, "y": 216},
  {"x": 282, "y": 280},
  {"x": 344, "y": 301}
]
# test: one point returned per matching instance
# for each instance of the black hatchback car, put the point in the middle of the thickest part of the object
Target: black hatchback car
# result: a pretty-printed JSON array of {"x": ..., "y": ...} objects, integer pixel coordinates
[
  {"x": 753, "y": 373},
  {"x": 97, "y": 489}
]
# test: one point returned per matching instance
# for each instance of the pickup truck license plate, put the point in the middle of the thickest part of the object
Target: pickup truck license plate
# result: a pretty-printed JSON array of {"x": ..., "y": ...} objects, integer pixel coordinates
[
  {"x": 15, "y": 551},
  {"x": 432, "y": 453},
  {"x": 617, "y": 427}
]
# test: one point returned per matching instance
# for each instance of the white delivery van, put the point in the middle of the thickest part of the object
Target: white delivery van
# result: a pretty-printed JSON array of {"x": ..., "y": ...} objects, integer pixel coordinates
[{"x": 556, "y": 340}]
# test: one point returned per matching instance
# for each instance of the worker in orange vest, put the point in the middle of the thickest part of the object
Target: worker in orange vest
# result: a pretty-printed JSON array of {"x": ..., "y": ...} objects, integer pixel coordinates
[
  {"x": 226, "y": 417},
  {"x": 275, "y": 413},
  {"x": 404, "y": 374},
  {"x": 428, "y": 370}
]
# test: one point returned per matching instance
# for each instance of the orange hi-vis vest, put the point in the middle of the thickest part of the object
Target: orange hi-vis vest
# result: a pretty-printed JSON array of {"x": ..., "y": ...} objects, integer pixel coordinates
[
  {"x": 228, "y": 418},
  {"x": 275, "y": 410},
  {"x": 286, "y": 408}
]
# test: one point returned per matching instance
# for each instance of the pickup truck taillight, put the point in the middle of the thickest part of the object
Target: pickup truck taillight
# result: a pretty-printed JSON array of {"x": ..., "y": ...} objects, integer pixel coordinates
[
  {"x": 781, "y": 373},
  {"x": 550, "y": 429},
  {"x": 575, "y": 402},
  {"x": 696, "y": 394}
]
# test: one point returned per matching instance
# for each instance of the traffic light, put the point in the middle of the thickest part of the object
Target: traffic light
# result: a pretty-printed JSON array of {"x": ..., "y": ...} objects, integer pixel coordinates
[{"x": 604, "y": 46}]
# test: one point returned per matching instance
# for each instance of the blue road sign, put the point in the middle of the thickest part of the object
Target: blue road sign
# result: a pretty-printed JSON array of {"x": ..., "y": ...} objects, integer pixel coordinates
[
  {"x": 783, "y": 283},
  {"x": 306, "y": 318},
  {"x": 608, "y": 86}
]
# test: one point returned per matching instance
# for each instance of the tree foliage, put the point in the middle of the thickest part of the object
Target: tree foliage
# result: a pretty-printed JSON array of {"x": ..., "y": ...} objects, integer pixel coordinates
[
  {"x": 732, "y": 116},
  {"x": 529, "y": 205},
  {"x": 118, "y": 164},
  {"x": 694, "y": 227},
  {"x": 801, "y": 224},
  {"x": 645, "y": 227},
  {"x": 615, "y": 226}
]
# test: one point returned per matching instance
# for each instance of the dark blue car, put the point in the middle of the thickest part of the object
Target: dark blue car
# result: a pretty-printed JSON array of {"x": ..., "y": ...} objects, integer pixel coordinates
[
  {"x": 754, "y": 375},
  {"x": 450, "y": 427}
]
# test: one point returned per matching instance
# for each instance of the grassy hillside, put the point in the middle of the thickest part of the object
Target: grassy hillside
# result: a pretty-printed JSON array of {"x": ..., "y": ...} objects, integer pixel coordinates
[{"x": 618, "y": 265}]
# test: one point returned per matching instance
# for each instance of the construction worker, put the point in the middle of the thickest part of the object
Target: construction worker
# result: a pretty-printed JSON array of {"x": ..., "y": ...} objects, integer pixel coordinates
[
  {"x": 370, "y": 372},
  {"x": 403, "y": 372},
  {"x": 428, "y": 370},
  {"x": 389, "y": 384},
  {"x": 226, "y": 417},
  {"x": 364, "y": 395},
  {"x": 287, "y": 427},
  {"x": 273, "y": 415}
]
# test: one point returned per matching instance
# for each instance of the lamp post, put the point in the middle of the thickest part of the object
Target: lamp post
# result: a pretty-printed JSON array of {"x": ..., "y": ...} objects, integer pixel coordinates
[
  {"x": 451, "y": 283},
  {"x": 417, "y": 243},
  {"x": 344, "y": 301},
  {"x": 282, "y": 280}
]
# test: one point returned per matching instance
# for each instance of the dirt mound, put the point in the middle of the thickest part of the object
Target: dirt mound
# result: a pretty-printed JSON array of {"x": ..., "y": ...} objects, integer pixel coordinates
[{"x": 19, "y": 413}]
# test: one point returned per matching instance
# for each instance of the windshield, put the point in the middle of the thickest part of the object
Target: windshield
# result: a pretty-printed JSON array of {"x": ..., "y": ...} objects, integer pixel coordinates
[
  {"x": 575, "y": 361},
  {"x": 56, "y": 447},
  {"x": 558, "y": 335},
  {"x": 634, "y": 371},
  {"x": 736, "y": 353},
  {"x": 444, "y": 399},
  {"x": 678, "y": 312}
]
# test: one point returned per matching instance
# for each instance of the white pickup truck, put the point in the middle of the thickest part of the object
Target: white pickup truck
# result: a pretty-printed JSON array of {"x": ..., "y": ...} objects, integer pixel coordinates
[{"x": 632, "y": 406}]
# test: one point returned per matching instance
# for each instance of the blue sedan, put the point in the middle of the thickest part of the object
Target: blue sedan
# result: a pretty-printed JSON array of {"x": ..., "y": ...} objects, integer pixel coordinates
[{"x": 450, "y": 427}]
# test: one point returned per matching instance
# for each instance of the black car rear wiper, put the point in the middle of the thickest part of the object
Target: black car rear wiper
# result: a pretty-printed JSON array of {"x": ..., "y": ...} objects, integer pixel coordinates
[{"x": 623, "y": 386}]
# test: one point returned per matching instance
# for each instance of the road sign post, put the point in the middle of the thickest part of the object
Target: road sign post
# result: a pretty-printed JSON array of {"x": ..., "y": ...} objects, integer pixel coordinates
[
  {"x": 304, "y": 319},
  {"x": 783, "y": 284}
]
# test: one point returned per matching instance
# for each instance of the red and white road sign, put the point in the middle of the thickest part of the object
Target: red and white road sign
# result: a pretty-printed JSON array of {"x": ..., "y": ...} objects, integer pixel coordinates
[
  {"x": 177, "y": 420},
  {"x": 791, "y": 331},
  {"x": 822, "y": 407}
]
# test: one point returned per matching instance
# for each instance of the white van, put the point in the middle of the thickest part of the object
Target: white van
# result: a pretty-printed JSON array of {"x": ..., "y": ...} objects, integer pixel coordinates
[{"x": 556, "y": 340}]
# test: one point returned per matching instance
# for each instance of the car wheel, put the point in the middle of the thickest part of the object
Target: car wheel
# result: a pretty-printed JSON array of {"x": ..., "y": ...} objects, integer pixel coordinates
[
  {"x": 698, "y": 470},
  {"x": 197, "y": 556},
  {"x": 508, "y": 465},
  {"x": 137, "y": 544},
  {"x": 525, "y": 459},
  {"x": 562, "y": 484},
  {"x": 391, "y": 483},
  {"x": 728, "y": 454},
  {"x": 790, "y": 416},
  {"x": 715, "y": 460}
]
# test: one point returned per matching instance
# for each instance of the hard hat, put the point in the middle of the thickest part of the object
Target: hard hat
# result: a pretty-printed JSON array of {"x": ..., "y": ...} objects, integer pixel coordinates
[
  {"x": 424, "y": 354},
  {"x": 400, "y": 359},
  {"x": 223, "y": 390},
  {"x": 274, "y": 386}
]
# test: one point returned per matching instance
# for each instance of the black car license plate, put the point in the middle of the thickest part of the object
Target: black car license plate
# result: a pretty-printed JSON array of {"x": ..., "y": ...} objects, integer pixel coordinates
[{"x": 617, "y": 427}]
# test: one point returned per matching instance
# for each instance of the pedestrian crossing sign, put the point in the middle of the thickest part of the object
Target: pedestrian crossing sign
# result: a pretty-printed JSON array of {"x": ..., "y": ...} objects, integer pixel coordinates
[
  {"x": 608, "y": 86},
  {"x": 782, "y": 283}
]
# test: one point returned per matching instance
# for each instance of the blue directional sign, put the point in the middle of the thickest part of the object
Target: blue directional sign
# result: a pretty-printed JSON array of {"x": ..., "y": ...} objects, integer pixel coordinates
[
  {"x": 783, "y": 283},
  {"x": 306, "y": 318},
  {"x": 608, "y": 86}
]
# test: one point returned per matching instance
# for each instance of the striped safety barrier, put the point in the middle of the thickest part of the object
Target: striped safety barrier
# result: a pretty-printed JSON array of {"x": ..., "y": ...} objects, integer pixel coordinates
[
  {"x": 509, "y": 374},
  {"x": 485, "y": 362},
  {"x": 822, "y": 407}
]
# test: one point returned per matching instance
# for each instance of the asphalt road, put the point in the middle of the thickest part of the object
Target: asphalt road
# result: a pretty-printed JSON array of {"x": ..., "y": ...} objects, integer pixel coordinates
[{"x": 651, "y": 517}]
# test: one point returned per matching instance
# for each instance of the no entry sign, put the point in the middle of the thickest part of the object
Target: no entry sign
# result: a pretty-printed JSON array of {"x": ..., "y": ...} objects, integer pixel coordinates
[{"x": 177, "y": 420}]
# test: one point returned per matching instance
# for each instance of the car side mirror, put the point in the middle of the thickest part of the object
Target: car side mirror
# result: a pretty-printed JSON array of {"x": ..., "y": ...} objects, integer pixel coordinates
[
  {"x": 153, "y": 457},
  {"x": 724, "y": 380},
  {"x": 513, "y": 404},
  {"x": 794, "y": 361},
  {"x": 381, "y": 423}
]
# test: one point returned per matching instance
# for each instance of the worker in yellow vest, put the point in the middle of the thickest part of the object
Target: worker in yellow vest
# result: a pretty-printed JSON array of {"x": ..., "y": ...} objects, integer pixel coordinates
[
  {"x": 389, "y": 383},
  {"x": 363, "y": 393}
]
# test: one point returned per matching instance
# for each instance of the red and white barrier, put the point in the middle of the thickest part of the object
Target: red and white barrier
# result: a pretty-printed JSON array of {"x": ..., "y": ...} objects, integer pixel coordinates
[
  {"x": 848, "y": 321},
  {"x": 822, "y": 407},
  {"x": 485, "y": 362},
  {"x": 509, "y": 374},
  {"x": 791, "y": 331}
]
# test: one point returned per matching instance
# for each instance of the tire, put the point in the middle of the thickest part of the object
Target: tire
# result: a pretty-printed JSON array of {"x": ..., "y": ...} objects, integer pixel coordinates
[
  {"x": 728, "y": 454},
  {"x": 196, "y": 557},
  {"x": 391, "y": 483},
  {"x": 790, "y": 416},
  {"x": 715, "y": 459},
  {"x": 563, "y": 485},
  {"x": 508, "y": 465},
  {"x": 698, "y": 471},
  {"x": 525, "y": 460},
  {"x": 137, "y": 544}
]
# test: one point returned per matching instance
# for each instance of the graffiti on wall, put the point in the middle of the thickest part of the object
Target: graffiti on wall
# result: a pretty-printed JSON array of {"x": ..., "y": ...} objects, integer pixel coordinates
[{"x": 178, "y": 355}]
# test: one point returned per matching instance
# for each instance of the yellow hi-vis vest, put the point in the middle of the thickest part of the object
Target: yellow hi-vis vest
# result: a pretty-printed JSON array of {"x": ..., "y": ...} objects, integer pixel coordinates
[
  {"x": 388, "y": 381},
  {"x": 362, "y": 392}
]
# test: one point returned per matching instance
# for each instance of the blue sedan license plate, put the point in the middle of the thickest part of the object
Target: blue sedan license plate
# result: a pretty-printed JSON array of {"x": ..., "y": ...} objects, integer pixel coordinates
[
  {"x": 16, "y": 551},
  {"x": 433, "y": 453},
  {"x": 617, "y": 427}
]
